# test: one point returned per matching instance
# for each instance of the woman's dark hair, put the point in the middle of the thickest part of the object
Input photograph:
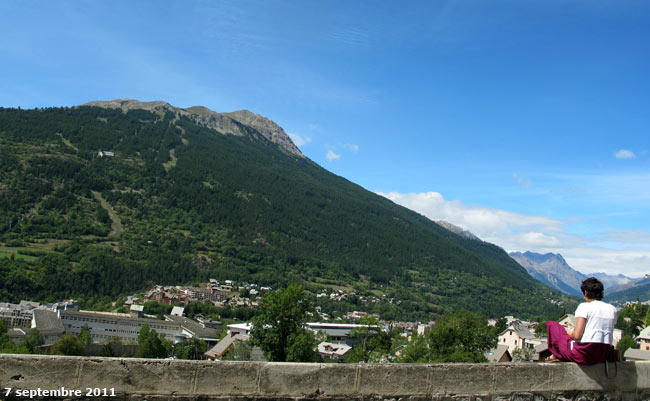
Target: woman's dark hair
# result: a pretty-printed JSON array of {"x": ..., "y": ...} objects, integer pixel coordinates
[{"x": 593, "y": 288}]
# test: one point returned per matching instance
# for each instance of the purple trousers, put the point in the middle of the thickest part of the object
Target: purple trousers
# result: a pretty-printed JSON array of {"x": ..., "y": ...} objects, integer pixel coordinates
[{"x": 559, "y": 343}]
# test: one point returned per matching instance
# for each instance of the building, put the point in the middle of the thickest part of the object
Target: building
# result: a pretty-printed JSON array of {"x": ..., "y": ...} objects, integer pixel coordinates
[
  {"x": 16, "y": 316},
  {"x": 339, "y": 333},
  {"x": 644, "y": 339},
  {"x": 177, "y": 311},
  {"x": 240, "y": 328},
  {"x": 498, "y": 354},
  {"x": 136, "y": 310},
  {"x": 104, "y": 325},
  {"x": 222, "y": 347},
  {"x": 48, "y": 324},
  {"x": 633, "y": 354},
  {"x": 333, "y": 351},
  {"x": 518, "y": 336},
  {"x": 192, "y": 329}
]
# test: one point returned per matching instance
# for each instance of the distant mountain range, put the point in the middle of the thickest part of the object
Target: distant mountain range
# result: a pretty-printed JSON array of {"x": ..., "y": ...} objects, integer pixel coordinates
[{"x": 552, "y": 270}]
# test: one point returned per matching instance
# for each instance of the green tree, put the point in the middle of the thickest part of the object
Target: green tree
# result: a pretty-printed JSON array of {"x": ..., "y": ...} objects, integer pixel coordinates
[
  {"x": 372, "y": 343},
  {"x": 33, "y": 339},
  {"x": 416, "y": 351},
  {"x": 280, "y": 324},
  {"x": 69, "y": 344},
  {"x": 240, "y": 351},
  {"x": 151, "y": 345},
  {"x": 191, "y": 348},
  {"x": 107, "y": 349},
  {"x": 631, "y": 319},
  {"x": 500, "y": 326},
  {"x": 462, "y": 336},
  {"x": 302, "y": 349},
  {"x": 523, "y": 355},
  {"x": 84, "y": 336},
  {"x": 625, "y": 343},
  {"x": 7, "y": 345}
]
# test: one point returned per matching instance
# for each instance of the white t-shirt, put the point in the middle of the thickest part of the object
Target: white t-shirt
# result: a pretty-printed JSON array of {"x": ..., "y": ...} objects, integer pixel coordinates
[{"x": 601, "y": 318}]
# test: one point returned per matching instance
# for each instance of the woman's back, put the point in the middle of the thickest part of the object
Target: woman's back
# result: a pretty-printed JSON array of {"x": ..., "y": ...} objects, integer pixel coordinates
[{"x": 601, "y": 318}]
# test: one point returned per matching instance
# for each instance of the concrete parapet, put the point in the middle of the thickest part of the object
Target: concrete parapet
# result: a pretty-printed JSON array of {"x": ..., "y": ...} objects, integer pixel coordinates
[{"x": 150, "y": 379}]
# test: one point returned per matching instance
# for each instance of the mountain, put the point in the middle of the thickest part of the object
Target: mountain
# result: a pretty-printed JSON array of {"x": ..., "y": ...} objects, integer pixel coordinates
[
  {"x": 235, "y": 123},
  {"x": 109, "y": 198},
  {"x": 640, "y": 289},
  {"x": 552, "y": 270},
  {"x": 458, "y": 230},
  {"x": 615, "y": 283}
]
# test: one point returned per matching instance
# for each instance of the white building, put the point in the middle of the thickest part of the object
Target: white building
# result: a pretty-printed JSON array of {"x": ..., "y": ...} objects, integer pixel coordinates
[
  {"x": 333, "y": 351},
  {"x": 518, "y": 336}
]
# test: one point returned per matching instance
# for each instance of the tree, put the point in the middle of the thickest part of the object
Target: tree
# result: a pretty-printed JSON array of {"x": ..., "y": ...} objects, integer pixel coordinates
[
  {"x": 625, "y": 343},
  {"x": 84, "y": 336},
  {"x": 373, "y": 343},
  {"x": 191, "y": 348},
  {"x": 523, "y": 354},
  {"x": 630, "y": 319},
  {"x": 302, "y": 348},
  {"x": 33, "y": 339},
  {"x": 7, "y": 345},
  {"x": 240, "y": 351},
  {"x": 541, "y": 330},
  {"x": 107, "y": 349},
  {"x": 69, "y": 344},
  {"x": 416, "y": 351},
  {"x": 151, "y": 345},
  {"x": 279, "y": 327},
  {"x": 462, "y": 336},
  {"x": 500, "y": 326}
]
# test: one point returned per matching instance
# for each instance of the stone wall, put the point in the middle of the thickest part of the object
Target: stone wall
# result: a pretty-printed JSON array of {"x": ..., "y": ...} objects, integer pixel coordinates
[{"x": 149, "y": 379}]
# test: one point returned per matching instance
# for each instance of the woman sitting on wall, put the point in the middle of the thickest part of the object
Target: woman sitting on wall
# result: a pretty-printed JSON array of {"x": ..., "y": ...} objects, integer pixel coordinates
[{"x": 590, "y": 342}]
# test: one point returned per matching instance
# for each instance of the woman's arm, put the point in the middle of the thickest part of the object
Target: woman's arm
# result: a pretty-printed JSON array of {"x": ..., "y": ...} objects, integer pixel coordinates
[{"x": 579, "y": 330}]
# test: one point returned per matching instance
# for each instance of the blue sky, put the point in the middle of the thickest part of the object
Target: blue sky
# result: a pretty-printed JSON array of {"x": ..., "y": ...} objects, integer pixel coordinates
[{"x": 525, "y": 122}]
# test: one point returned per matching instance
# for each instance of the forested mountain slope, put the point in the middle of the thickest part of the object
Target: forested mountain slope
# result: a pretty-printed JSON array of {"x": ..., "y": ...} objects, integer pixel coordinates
[{"x": 178, "y": 202}]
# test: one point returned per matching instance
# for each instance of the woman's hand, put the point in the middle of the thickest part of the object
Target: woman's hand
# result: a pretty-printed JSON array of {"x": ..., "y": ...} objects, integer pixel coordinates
[{"x": 576, "y": 333}]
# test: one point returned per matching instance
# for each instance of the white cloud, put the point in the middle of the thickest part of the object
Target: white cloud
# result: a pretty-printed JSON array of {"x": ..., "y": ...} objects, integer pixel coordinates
[
  {"x": 624, "y": 154},
  {"x": 616, "y": 252},
  {"x": 298, "y": 139},
  {"x": 524, "y": 183},
  {"x": 351, "y": 146},
  {"x": 536, "y": 240},
  {"x": 482, "y": 221},
  {"x": 332, "y": 156}
]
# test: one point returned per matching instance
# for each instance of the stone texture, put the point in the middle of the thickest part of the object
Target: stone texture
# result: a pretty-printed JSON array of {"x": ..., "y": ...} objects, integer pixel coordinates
[
  {"x": 232, "y": 378},
  {"x": 140, "y": 379},
  {"x": 522, "y": 377},
  {"x": 401, "y": 379}
]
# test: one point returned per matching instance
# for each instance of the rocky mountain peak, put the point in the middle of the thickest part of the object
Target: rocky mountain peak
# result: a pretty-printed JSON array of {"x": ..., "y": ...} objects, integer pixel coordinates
[
  {"x": 233, "y": 123},
  {"x": 458, "y": 230},
  {"x": 552, "y": 270}
]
